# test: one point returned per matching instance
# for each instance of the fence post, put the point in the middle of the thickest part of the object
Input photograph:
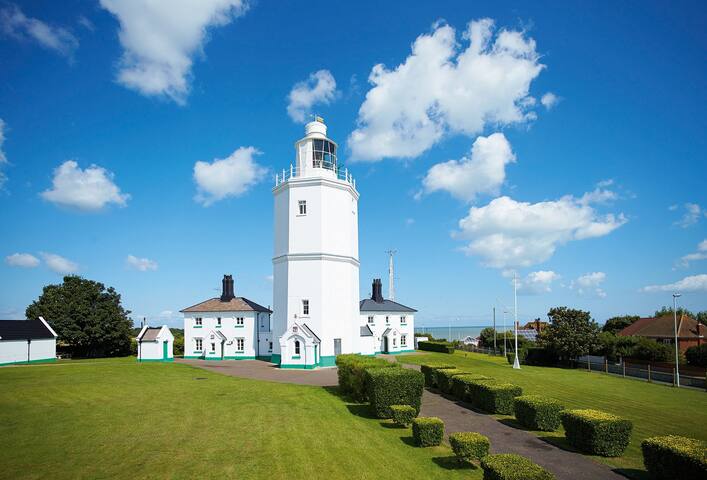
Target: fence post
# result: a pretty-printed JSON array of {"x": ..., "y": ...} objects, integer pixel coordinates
[
  {"x": 673, "y": 377},
  {"x": 623, "y": 363},
  {"x": 589, "y": 364},
  {"x": 606, "y": 365},
  {"x": 649, "y": 373}
]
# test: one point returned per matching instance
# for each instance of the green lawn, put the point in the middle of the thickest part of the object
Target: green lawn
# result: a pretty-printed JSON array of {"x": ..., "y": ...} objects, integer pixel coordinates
[
  {"x": 654, "y": 409},
  {"x": 118, "y": 419}
]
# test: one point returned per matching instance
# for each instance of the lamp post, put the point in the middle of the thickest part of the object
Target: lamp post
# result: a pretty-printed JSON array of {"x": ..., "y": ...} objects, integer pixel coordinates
[
  {"x": 675, "y": 326},
  {"x": 504, "y": 331},
  {"x": 516, "y": 363}
]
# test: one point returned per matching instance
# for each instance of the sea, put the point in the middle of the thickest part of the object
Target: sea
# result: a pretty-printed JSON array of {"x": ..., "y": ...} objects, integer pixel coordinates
[{"x": 454, "y": 333}]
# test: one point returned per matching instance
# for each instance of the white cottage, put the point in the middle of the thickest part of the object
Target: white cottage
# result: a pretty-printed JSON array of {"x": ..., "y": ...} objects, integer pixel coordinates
[
  {"x": 392, "y": 325},
  {"x": 227, "y": 328},
  {"x": 155, "y": 344},
  {"x": 26, "y": 341}
]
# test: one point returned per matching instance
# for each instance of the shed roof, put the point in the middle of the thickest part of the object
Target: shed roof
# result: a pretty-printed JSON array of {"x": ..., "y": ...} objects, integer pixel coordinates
[
  {"x": 366, "y": 331},
  {"x": 314, "y": 335},
  {"x": 664, "y": 327},
  {"x": 236, "y": 304},
  {"x": 24, "y": 330},
  {"x": 150, "y": 334},
  {"x": 370, "y": 305}
]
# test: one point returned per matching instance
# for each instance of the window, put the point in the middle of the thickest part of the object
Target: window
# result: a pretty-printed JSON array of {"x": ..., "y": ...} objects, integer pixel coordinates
[
  {"x": 387, "y": 319},
  {"x": 403, "y": 320},
  {"x": 324, "y": 154},
  {"x": 198, "y": 320},
  {"x": 218, "y": 322},
  {"x": 403, "y": 340},
  {"x": 370, "y": 318},
  {"x": 395, "y": 341},
  {"x": 213, "y": 347},
  {"x": 305, "y": 307},
  {"x": 198, "y": 344},
  {"x": 302, "y": 207},
  {"x": 270, "y": 348},
  {"x": 296, "y": 347},
  {"x": 240, "y": 344},
  {"x": 239, "y": 321}
]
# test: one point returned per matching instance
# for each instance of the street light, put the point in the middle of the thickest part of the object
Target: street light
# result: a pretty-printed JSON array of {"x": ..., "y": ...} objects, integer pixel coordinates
[
  {"x": 675, "y": 326},
  {"x": 516, "y": 363}
]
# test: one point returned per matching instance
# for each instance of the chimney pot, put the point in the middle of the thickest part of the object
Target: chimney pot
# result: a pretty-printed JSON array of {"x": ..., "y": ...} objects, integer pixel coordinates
[{"x": 227, "y": 291}]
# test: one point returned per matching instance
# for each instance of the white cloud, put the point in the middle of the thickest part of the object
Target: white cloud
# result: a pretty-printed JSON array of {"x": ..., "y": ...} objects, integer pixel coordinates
[
  {"x": 25, "y": 260},
  {"x": 141, "y": 264},
  {"x": 507, "y": 233},
  {"x": 90, "y": 189},
  {"x": 590, "y": 284},
  {"x": 536, "y": 283},
  {"x": 319, "y": 88},
  {"x": 443, "y": 88},
  {"x": 700, "y": 254},
  {"x": 484, "y": 171},
  {"x": 549, "y": 100},
  {"x": 692, "y": 215},
  {"x": 160, "y": 39},
  {"x": 59, "y": 264},
  {"x": 693, "y": 283},
  {"x": 3, "y": 158},
  {"x": 14, "y": 23},
  {"x": 228, "y": 177}
]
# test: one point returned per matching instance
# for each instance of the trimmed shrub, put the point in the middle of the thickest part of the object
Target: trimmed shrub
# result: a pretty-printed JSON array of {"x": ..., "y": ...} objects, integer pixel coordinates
[
  {"x": 540, "y": 356},
  {"x": 443, "y": 378},
  {"x": 460, "y": 385},
  {"x": 393, "y": 386},
  {"x": 538, "y": 412},
  {"x": 351, "y": 368},
  {"x": 597, "y": 432},
  {"x": 509, "y": 466},
  {"x": 428, "y": 370},
  {"x": 441, "y": 347},
  {"x": 697, "y": 355},
  {"x": 496, "y": 397},
  {"x": 403, "y": 415},
  {"x": 469, "y": 446},
  {"x": 427, "y": 431},
  {"x": 473, "y": 390},
  {"x": 672, "y": 456}
]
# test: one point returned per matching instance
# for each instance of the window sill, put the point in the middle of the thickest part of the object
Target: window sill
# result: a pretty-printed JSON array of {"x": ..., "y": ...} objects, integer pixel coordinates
[
  {"x": 198, "y": 351},
  {"x": 218, "y": 326},
  {"x": 239, "y": 326},
  {"x": 198, "y": 326},
  {"x": 296, "y": 357}
]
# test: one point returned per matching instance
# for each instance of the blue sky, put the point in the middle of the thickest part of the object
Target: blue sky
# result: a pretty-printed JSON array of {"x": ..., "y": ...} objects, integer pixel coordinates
[{"x": 564, "y": 141}]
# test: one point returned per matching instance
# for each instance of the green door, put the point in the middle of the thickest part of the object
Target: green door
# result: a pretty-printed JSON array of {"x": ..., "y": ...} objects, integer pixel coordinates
[{"x": 165, "y": 355}]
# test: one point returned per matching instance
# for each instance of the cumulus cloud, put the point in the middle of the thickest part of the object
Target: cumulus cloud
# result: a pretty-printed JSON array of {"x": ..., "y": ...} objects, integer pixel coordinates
[
  {"x": 59, "y": 264},
  {"x": 444, "y": 87},
  {"x": 228, "y": 177},
  {"x": 141, "y": 264},
  {"x": 25, "y": 260},
  {"x": 507, "y": 233},
  {"x": 482, "y": 172},
  {"x": 15, "y": 24},
  {"x": 90, "y": 189},
  {"x": 549, "y": 100},
  {"x": 3, "y": 158},
  {"x": 700, "y": 254},
  {"x": 536, "y": 283},
  {"x": 693, "y": 283},
  {"x": 589, "y": 284},
  {"x": 319, "y": 88},
  {"x": 693, "y": 214},
  {"x": 160, "y": 39}
]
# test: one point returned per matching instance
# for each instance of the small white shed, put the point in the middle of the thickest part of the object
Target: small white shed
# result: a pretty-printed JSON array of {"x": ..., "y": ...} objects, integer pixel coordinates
[
  {"x": 26, "y": 341},
  {"x": 155, "y": 344}
]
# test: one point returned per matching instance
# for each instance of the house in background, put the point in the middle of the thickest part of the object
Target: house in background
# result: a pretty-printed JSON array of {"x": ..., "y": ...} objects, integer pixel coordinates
[
  {"x": 662, "y": 329},
  {"x": 392, "y": 324},
  {"x": 26, "y": 341},
  {"x": 155, "y": 344}
]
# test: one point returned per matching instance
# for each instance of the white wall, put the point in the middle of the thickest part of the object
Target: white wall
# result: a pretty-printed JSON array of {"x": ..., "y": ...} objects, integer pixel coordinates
[
  {"x": 12, "y": 351},
  {"x": 379, "y": 326},
  {"x": 229, "y": 329}
]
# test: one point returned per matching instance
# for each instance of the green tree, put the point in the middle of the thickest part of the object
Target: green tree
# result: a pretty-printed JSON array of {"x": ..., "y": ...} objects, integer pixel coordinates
[
  {"x": 697, "y": 356},
  {"x": 616, "y": 324},
  {"x": 669, "y": 311},
  {"x": 486, "y": 337},
  {"x": 571, "y": 333},
  {"x": 87, "y": 317},
  {"x": 701, "y": 317}
]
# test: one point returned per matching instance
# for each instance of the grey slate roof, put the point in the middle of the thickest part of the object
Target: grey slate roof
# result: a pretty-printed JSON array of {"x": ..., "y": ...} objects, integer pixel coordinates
[
  {"x": 23, "y": 330},
  {"x": 370, "y": 305},
  {"x": 309, "y": 330},
  {"x": 387, "y": 331},
  {"x": 366, "y": 331},
  {"x": 150, "y": 334}
]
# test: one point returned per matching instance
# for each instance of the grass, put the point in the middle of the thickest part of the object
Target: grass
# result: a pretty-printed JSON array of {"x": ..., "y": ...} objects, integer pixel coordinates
[
  {"x": 117, "y": 419},
  {"x": 654, "y": 409}
]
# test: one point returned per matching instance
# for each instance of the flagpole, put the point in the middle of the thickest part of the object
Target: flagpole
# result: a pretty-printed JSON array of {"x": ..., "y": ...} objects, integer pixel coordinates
[{"x": 516, "y": 363}]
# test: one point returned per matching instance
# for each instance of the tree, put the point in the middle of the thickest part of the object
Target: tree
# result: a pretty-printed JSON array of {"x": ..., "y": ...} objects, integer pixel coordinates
[
  {"x": 86, "y": 316},
  {"x": 486, "y": 337},
  {"x": 697, "y": 355},
  {"x": 669, "y": 311},
  {"x": 651, "y": 351},
  {"x": 701, "y": 317},
  {"x": 571, "y": 333},
  {"x": 616, "y": 324}
]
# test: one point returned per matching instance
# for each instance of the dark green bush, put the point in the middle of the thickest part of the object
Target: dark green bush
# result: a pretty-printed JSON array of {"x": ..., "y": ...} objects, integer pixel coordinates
[
  {"x": 428, "y": 370},
  {"x": 427, "y": 431},
  {"x": 351, "y": 368},
  {"x": 538, "y": 412},
  {"x": 522, "y": 353},
  {"x": 509, "y": 466},
  {"x": 444, "y": 378},
  {"x": 393, "y": 386},
  {"x": 540, "y": 356},
  {"x": 671, "y": 457},
  {"x": 441, "y": 347},
  {"x": 473, "y": 390},
  {"x": 469, "y": 446},
  {"x": 403, "y": 415},
  {"x": 495, "y": 397},
  {"x": 460, "y": 385},
  {"x": 597, "y": 432},
  {"x": 697, "y": 355}
]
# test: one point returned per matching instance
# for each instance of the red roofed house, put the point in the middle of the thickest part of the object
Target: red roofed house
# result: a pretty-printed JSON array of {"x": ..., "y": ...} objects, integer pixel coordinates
[{"x": 662, "y": 329}]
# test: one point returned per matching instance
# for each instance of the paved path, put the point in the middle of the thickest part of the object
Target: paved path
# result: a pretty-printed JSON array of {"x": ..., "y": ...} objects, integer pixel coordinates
[{"x": 457, "y": 416}]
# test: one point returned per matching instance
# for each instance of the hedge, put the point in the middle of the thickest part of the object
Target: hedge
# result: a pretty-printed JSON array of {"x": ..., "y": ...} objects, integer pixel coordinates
[
  {"x": 538, "y": 412},
  {"x": 427, "y": 431},
  {"x": 351, "y": 368},
  {"x": 469, "y": 446},
  {"x": 597, "y": 432},
  {"x": 428, "y": 370},
  {"x": 671, "y": 457},
  {"x": 509, "y": 466},
  {"x": 443, "y": 378},
  {"x": 473, "y": 390},
  {"x": 441, "y": 347},
  {"x": 540, "y": 356},
  {"x": 496, "y": 397},
  {"x": 393, "y": 386},
  {"x": 460, "y": 385},
  {"x": 403, "y": 415}
]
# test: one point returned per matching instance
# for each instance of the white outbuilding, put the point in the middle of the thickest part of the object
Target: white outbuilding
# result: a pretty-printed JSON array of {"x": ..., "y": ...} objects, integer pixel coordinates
[
  {"x": 26, "y": 341},
  {"x": 155, "y": 344}
]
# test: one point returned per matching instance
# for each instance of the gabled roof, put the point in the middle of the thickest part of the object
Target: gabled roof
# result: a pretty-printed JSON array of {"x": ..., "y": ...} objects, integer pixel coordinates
[
  {"x": 370, "y": 305},
  {"x": 366, "y": 331},
  {"x": 663, "y": 327},
  {"x": 236, "y": 304},
  {"x": 25, "y": 330},
  {"x": 149, "y": 334}
]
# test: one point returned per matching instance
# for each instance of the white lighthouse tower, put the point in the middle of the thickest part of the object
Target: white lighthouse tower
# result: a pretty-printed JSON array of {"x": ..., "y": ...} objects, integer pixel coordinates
[{"x": 315, "y": 261}]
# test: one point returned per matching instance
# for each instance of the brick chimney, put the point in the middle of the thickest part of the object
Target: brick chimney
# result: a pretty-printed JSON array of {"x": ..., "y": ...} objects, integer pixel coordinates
[
  {"x": 377, "y": 291},
  {"x": 227, "y": 289}
]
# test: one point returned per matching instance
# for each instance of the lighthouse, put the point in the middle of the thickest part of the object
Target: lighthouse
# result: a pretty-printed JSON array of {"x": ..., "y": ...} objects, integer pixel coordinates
[{"x": 315, "y": 258}]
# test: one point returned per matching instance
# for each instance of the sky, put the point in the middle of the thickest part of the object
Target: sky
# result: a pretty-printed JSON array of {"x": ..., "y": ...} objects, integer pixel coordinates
[{"x": 561, "y": 142}]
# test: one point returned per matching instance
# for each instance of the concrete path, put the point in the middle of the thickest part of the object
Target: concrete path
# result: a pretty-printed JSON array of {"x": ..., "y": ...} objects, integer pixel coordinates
[{"x": 457, "y": 416}]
